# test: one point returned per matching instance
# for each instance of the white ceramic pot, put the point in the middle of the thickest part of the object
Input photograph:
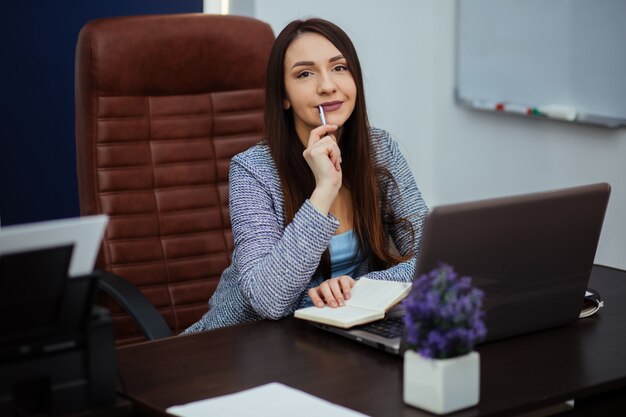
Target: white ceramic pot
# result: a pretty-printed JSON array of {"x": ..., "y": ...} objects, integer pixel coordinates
[{"x": 441, "y": 385}]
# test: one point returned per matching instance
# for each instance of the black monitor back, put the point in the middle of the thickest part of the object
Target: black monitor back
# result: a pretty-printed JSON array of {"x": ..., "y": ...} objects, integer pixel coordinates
[{"x": 56, "y": 348}]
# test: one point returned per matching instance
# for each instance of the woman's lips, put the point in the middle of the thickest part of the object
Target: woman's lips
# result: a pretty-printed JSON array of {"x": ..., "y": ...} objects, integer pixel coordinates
[{"x": 332, "y": 106}]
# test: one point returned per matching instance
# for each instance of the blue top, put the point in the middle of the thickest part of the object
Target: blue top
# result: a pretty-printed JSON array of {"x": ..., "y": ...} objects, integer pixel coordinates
[
  {"x": 345, "y": 256},
  {"x": 274, "y": 265}
]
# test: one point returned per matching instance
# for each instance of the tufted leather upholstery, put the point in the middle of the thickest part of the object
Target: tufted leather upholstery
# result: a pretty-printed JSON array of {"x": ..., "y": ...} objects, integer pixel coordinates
[{"x": 162, "y": 104}]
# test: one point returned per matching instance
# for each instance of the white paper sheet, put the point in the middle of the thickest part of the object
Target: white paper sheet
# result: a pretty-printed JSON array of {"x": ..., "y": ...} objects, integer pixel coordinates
[{"x": 274, "y": 399}]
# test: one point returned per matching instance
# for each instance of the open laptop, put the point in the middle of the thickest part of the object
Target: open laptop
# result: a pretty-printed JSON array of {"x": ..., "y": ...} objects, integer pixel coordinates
[{"x": 531, "y": 254}]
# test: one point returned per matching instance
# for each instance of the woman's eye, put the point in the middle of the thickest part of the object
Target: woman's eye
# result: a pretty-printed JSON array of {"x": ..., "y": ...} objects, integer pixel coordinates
[
  {"x": 305, "y": 74},
  {"x": 340, "y": 67}
]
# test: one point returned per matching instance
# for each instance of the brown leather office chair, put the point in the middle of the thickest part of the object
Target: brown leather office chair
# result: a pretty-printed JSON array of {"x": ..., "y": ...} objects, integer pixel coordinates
[{"x": 162, "y": 104}]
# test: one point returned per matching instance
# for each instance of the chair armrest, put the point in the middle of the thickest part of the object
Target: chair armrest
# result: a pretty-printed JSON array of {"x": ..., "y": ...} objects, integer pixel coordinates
[{"x": 150, "y": 322}]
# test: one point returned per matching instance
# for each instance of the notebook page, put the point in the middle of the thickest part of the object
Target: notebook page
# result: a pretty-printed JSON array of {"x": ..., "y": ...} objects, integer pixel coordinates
[{"x": 376, "y": 294}]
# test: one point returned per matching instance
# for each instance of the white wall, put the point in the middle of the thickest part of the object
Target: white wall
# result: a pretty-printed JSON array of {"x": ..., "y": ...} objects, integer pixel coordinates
[{"x": 407, "y": 50}]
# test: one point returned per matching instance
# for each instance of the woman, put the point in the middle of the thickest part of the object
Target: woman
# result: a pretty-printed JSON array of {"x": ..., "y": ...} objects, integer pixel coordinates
[{"x": 316, "y": 206}]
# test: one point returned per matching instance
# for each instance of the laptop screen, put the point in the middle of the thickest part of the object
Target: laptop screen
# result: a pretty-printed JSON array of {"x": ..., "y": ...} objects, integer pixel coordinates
[{"x": 531, "y": 254}]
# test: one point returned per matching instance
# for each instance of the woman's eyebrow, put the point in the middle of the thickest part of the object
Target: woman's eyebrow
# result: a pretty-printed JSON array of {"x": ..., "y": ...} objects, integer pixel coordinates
[
  {"x": 303, "y": 64},
  {"x": 311, "y": 63}
]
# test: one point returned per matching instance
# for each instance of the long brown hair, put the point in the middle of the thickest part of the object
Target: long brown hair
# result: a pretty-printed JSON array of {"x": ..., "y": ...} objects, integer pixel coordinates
[{"x": 359, "y": 171}]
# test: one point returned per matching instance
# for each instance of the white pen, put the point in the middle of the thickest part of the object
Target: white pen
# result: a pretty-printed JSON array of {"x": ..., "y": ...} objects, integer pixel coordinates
[{"x": 322, "y": 116}]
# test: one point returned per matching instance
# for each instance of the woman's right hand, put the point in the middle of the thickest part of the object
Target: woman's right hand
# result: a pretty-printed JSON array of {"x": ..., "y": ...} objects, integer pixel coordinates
[
  {"x": 333, "y": 292},
  {"x": 323, "y": 156}
]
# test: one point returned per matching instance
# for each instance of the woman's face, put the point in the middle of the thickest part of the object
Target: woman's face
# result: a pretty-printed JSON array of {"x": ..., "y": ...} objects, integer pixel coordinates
[{"x": 316, "y": 73}]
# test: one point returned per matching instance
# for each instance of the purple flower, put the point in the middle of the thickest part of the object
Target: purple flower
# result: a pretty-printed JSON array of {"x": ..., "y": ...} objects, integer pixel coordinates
[{"x": 443, "y": 316}]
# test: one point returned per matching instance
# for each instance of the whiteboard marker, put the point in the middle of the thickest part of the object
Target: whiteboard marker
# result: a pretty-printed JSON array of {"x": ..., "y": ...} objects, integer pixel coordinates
[
  {"x": 559, "y": 112},
  {"x": 513, "y": 108}
]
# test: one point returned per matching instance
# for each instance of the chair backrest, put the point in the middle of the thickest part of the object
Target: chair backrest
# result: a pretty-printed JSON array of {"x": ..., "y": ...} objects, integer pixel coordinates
[{"x": 162, "y": 104}]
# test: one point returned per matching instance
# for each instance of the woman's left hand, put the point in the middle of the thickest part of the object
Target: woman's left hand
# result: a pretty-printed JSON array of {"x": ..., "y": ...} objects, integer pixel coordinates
[{"x": 332, "y": 292}]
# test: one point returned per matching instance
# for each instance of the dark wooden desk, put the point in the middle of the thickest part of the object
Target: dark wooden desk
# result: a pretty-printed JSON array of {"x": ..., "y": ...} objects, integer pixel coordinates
[
  {"x": 521, "y": 374},
  {"x": 122, "y": 408}
]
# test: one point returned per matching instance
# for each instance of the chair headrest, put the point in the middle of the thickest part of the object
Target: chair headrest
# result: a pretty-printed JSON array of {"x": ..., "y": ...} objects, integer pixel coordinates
[{"x": 173, "y": 54}]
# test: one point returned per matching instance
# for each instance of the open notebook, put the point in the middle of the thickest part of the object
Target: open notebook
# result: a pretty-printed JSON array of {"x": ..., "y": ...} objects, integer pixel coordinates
[{"x": 369, "y": 301}]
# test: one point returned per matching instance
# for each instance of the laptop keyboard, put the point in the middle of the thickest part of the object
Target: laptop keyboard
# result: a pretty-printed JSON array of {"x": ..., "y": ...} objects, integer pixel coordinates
[{"x": 390, "y": 327}]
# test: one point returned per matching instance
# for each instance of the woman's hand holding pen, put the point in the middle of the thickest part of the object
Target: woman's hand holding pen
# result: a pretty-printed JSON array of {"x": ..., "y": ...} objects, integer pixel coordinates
[
  {"x": 323, "y": 156},
  {"x": 332, "y": 292},
  {"x": 322, "y": 149}
]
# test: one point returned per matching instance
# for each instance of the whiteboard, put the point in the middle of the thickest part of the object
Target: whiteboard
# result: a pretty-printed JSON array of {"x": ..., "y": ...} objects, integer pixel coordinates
[{"x": 534, "y": 54}]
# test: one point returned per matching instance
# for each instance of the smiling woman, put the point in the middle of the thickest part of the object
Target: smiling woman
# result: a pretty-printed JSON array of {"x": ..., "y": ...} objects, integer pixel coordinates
[
  {"x": 317, "y": 74},
  {"x": 319, "y": 204}
]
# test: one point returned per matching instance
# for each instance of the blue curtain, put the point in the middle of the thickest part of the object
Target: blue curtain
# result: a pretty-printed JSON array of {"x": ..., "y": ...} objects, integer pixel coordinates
[{"x": 37, "y": 151}]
